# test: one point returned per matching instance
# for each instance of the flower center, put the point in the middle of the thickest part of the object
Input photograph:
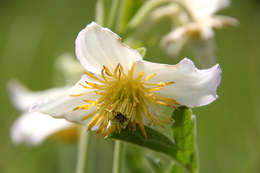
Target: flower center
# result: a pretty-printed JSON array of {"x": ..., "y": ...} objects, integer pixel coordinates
[{"x": 124, "y": 99}]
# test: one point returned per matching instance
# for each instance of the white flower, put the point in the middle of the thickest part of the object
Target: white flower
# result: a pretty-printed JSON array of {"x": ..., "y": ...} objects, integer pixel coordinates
[
  {"x": 197, "y": 20},
  {"x": 120, "y": 88},
  {"x": 32, "y": 128}
]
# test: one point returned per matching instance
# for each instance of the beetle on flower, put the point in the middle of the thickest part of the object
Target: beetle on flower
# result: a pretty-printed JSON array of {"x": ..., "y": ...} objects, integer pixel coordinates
[{"x": 120, "y": 89}]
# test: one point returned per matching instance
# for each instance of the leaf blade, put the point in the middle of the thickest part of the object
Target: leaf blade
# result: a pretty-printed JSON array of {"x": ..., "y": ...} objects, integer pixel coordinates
[
  {"x": 184, "y": 136},
  {"x": 154, "y": 141}
]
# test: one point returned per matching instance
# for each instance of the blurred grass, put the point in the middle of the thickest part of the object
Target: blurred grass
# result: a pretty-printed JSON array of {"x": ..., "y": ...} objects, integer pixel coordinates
[{"x": 34, "y": 33}]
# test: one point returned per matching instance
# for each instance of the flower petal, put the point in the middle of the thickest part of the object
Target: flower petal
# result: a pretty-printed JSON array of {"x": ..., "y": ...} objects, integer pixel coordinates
[
  {"x": 63, "y": 105},
  {"x": 174, "y": 41},
  {"x": 171, "y": 10},
  {"x": 192, "y": 87},
  {"x": 97, "y": 46},
  {"x": 176, "y": 35},
  {"x": 222, "y": 21},
  {"x": 23, "y": 98},
  {"x": 205, "y": 8},
  {"x": 33, "y": 128}
]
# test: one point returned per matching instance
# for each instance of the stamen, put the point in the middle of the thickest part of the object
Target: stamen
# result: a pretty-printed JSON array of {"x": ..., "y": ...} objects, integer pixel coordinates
[
  {"x": 169, "y": 100},
  {"x": 140, "y": 75},
  {"x": 161, "y": 112},
  {"x": 121, "y": 69},
  {"x": 161, "y": 84},
  {"x": 116, "y": 69},
  {"x": 124, "y": 100},
  {"x": 103, "y": 75},
  {"x": 84, "y": 86},
  {"x": 89, "y": 101},
  {"x": 94, "y": 77},
  {"x": 100, "y": 119},
  {"x": 84, "y": 106},
  {"x": 109, "y": 130},
  {"x": 100, "y": 93},
  {"x": 150, "y": 116},
  {"x": 89, "y": 115},
  {"x": 131, "y": 72},
  {"x": 148, "y": 77},
  {"x": 107, "y": 71},
  {"x": 76, "y": 95},
  {"x": 94, "y": 85},
  {"x": 155, "y": 89},
  {"x": 93, "y": 121},
  {"x": 141, "y": 124}
]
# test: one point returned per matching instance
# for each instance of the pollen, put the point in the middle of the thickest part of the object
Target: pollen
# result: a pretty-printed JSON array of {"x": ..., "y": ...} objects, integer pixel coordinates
[{"x": 125, "y": 98}]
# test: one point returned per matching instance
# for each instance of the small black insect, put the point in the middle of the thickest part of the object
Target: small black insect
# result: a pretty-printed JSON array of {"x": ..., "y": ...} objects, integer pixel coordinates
[{"x": 119, "y": 117}]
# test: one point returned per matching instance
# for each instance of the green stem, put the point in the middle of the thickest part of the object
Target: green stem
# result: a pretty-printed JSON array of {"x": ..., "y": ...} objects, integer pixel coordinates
[
  {"x": 112, "y": 16},
  {"x": 83, "y": 149},
  {"x": 122, "y": 16},
  {"x": 145, "y": 10},
  {"x": 99, "y": 18},
  {"x": 118, "y": 157}
]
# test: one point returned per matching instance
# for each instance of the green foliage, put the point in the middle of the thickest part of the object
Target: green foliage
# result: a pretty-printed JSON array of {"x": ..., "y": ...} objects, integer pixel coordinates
[
  {"x": 142, "y": 51},
  {"x": 175, "y": 169},
  {"x": 116, "y": 14},
  {"x": 184, "y": 136},
  {"x": 154, "y": 141},
  {"x": 143, "y": 12},
  {"x": 128, "y": 10},
  {"x": 181, "y": 148}
]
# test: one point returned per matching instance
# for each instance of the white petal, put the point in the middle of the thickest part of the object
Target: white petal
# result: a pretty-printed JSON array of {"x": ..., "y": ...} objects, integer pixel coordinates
[
  {"x": 221, "y": 21},
  {"x": 33, "y": 128},
  {"x": 174, "y": 41},
  {"x": 23, "y": 98},
  {"x": 205, "y": 8},
  {"x": 62, "y": 105},
  {"x": 97, "y": 46},
  {"x": 175, "y": 36},
  {"x": 171, "y": 10},
  {"x": 192, "y": 87}
]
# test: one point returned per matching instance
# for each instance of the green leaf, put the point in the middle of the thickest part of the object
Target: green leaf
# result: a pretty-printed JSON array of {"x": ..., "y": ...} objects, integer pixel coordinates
[
  {"x": 175, "y": 169},
  {"x": 184, "y": 137},
  {"x": 182, "y": 150},
  {"x": 154, "y": 141},
  {"x": 142, "y": 51}
]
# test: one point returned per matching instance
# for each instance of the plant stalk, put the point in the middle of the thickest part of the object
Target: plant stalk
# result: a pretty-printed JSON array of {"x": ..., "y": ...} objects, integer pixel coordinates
[
  {"x": 118, "y": 157},
  {"x": 83, "y": 147},
  {"x": 112, "y": 15}
]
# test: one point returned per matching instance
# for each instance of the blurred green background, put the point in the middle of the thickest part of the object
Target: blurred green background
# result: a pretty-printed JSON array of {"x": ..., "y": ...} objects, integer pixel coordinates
[{"x": 34, "y": 33}]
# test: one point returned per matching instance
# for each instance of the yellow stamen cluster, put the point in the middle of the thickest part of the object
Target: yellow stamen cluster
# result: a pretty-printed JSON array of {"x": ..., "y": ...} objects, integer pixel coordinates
[{"x": 124, "y": 99}]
